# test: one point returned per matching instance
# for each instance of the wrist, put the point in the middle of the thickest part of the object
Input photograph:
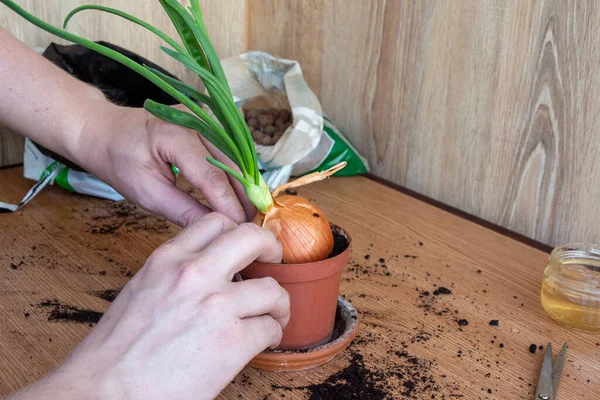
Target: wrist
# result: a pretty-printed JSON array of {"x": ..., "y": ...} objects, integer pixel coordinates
[{"x": 93, "y": 116}]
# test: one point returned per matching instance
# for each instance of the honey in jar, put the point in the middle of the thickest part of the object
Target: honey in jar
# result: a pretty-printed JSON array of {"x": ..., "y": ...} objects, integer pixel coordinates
[{"x": 571, "y": 286}]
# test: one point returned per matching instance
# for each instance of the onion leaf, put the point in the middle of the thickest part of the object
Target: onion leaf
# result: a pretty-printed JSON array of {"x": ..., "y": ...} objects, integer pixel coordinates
[
  {"x": 186, "y": 89},
  {"x": 129, "y": 17},
  {"x": 229, "y": 132},
  {"x": 199, "y": 30},
  {"x": 224, "y": 103},
  {"x": 187, "y": 35}
]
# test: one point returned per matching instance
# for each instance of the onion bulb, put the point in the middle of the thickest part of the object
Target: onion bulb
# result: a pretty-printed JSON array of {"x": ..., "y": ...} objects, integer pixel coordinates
[
  {"x": 299, "y": 225},
  {"x": 301, "y": 228}
]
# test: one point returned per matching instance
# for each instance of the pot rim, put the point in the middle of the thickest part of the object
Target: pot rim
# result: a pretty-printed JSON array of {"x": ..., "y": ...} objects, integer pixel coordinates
[
  {"x": 305, "y": 272},
  {"x": 309, "y": 264}
]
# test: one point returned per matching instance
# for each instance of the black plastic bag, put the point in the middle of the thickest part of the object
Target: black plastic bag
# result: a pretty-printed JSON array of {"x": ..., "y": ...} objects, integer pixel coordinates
[{"x": 119, "y": 84}]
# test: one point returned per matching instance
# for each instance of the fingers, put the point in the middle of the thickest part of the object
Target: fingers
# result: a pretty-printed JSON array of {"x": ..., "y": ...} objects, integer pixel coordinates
[
  {"x": 265, "y": 331},
  {"x": 261, "y": 297},
  {"x": 236, "y": 249},
  {"x": 202, "y": 232},
  {"x": 183, "y": 148},
  {"x": 165, "y": 199},
  {"x": 237, "y": 186},
  {"x": 183, "y": 248}
]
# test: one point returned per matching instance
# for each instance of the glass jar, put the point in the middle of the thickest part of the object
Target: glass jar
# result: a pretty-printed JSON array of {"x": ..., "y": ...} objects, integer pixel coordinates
[{"x": 571, "y": 286}]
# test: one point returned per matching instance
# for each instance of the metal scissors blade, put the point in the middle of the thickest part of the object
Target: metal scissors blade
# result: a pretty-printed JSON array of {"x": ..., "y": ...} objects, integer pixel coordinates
[
  {"x": 550, "y": 374},
  {"x": 544, "y": 389},
  {"x": 557, "y": 368}
]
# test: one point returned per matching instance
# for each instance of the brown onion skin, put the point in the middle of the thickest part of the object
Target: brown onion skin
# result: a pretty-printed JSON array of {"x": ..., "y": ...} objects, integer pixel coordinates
[{"x": 301, "y": 228}]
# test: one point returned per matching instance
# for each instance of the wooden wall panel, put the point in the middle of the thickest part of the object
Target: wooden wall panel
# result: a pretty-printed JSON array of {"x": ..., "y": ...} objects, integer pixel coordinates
[
  {"x": 228, "y": 38},
  {"x": 11, "y": 147},
  {"x": 489, "y": 106}
]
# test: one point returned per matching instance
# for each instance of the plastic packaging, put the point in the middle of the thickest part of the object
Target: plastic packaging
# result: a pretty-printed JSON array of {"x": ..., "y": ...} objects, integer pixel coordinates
[{"x": 312, "y": 142}]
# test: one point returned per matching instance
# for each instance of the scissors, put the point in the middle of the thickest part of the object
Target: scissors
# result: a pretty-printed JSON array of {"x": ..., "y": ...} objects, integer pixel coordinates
[{"x": 550, "y": 374}]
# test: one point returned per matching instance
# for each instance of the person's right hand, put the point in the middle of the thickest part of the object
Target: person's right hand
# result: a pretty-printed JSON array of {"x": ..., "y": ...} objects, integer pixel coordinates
[{"x": 180, "y": 329}]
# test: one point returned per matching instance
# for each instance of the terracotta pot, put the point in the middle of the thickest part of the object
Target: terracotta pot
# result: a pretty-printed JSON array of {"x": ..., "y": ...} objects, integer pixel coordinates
[{"x": 313, "y": 290}]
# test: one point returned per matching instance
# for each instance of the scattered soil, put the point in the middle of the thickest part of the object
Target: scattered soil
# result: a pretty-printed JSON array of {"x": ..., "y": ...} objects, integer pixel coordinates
[
  {"x": 115, "y": 217},
  {"x": 533, "y": 348},
  {"x": 267, "y": 125},
  {"x": 66, "y": 313},
  {"x": 353, "y": 382},
  {"x": 109, "y": 295},
  {"x": 402, "y": 374},
  {"x": 420, "y": 337},
  {"x": 442, "y": 290}
]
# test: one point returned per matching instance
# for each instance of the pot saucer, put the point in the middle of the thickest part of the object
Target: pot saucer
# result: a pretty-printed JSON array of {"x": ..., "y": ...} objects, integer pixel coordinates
[{"x": 344, "y": 331}]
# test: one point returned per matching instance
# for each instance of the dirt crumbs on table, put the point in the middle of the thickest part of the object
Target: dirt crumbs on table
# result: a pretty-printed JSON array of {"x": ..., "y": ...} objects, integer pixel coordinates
[
  {"x": 66, "y": 313},
  {"x": 110, "y": 218},
  {"x": 403, "y": 375},
  {"x": 109, "y": 295},
  {"x": 353, "y": 382},
  {"x": 533, "y": 348},
  {"x": 442, "y": 290}
]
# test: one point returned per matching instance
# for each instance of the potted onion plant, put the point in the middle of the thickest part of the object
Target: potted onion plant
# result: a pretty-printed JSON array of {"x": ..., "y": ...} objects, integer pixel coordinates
[{"x": 312, "y": 263}]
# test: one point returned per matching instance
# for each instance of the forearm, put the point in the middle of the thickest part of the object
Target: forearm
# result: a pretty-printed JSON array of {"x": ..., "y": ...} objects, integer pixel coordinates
[
  {"x": 59, "y": 386},
  {"x": 41, "y": 101}
]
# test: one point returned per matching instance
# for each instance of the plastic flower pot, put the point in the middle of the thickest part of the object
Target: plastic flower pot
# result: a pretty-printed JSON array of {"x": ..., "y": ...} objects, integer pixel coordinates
[{"x": 313, "y": 290}]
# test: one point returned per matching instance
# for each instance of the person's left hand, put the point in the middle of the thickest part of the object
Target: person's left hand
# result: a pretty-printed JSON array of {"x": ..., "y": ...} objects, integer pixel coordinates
[{"x": 133, "y": 151}]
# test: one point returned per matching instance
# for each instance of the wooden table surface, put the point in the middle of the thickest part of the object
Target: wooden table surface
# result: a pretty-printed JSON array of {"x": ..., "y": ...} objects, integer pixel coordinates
[{"x": 62, "y": 250}]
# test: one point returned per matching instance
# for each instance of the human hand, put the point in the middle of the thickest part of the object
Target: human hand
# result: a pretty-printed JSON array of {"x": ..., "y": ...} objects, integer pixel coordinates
[
  {"x": 133, "y": 151},
  {"x": 125, "y": 147},
  {"x": 180, "y": 329}
]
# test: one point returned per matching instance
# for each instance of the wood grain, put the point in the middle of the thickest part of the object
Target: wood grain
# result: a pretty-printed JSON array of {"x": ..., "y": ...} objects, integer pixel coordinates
[
  {"x": 11, "y": 147},
  {"x": 488, "y": 106},
  {"x": 224, "y": 20},
  {"x": 58, "y": 256}
]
